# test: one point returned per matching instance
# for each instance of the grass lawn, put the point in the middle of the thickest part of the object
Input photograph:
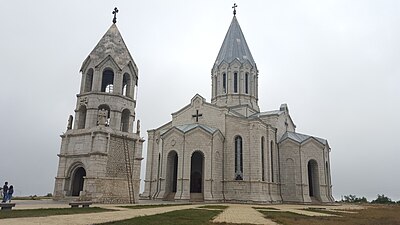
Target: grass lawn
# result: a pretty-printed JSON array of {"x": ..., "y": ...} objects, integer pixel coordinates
[
  {"x": 48, "y": 212},
  {"x": 179, "y": 217},
  {"x": 149, "y": 206},
  {"x": 372, "y": 215}
]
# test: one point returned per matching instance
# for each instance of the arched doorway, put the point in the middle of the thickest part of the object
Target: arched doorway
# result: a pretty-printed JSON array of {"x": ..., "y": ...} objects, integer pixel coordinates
[
  {"x": 172, "y": 175},
  {"x": 313, "y": 179},
  {"x": 77, "y": 181},
  {"x": 196, "y": 173}
]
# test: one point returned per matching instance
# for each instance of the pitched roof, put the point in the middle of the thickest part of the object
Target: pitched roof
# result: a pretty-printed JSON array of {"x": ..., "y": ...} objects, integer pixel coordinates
[
  {"x": 300, "y": 138},
  {"x": 188, "y": 127},
  {"x": 234, "y": 46},
  {"x": 267, "y": 113},
  {"x": 111, "y": 44}
]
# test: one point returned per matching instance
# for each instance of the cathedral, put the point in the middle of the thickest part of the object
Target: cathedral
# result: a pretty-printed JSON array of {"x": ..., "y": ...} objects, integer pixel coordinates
[
  {"x": 100, "y": 156},
  {"x": 227, "y": 150}
]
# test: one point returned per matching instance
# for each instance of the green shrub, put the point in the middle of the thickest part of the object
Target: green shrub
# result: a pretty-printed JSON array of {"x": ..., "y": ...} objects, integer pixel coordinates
[
  {"x": 382, "y": 199},
  {"x": 354, "y": 199}
]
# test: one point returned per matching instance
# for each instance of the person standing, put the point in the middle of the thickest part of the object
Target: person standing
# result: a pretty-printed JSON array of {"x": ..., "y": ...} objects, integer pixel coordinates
[
  {"x": 5, "y": 192},
  {"x": 10, "y": 193}
]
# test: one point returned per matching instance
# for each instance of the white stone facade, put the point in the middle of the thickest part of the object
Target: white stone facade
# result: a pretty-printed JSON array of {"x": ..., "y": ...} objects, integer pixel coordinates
[
  {"x": 229, "y": 151},
  {"x": 100, "y": 154}
]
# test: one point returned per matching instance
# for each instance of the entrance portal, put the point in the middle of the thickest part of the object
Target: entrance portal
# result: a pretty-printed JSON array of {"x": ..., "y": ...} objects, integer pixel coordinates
[
  {"x": 196, "y": 173},
  {"x": 313, "y": 179},
  {"x": 77, "y": 181}
]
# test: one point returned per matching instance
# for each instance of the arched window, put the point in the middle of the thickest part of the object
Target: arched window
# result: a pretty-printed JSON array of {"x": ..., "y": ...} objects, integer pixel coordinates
[
  {"x": 262, "y": 160},
  {"x": 82, "y": 117},
  {"x": 107, "y": 82},
  {"x": 238, "y": 158},
  {"x": 125, "y": 120},
  {"x": 224, "y": 82},
  {"x": 327, "y": 173},
  {"x": 88, "y": 81},
  {"x": 246, "y": 83},
  {"x": 235, "y": 82},
  {"x": 215, "y": 86},
  {"x": 126, "y": 85},
  {"x": 272, "y": 161},
  {"x": 105, "y": 107}
]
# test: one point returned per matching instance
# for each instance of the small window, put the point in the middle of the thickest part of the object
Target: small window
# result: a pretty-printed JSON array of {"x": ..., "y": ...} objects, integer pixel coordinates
[
  {"x": 262, "y": 160},
  {"x": 224, "y": 82},
  {"x": 272, "y": 161},
  {"x": 246, "y": 85},
  {"x": 235, "y": 82},
  {"x": 238, "y": 158},
  {"x": 215, "y": 86}
]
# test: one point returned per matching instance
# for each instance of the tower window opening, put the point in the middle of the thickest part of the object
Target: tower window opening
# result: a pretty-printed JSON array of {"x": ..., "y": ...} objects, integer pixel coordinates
[
  {"x": 238, "y": 158},
  {"x": 224, "y": 82},
  {"x": 88, "y": 81},
  {"x": 125, "y": 120},
  {"x": 235, "y": 82},
  {"x": 215, "y": 85},
  {"x": 107, "y": 83},
  {"x": 126, "y": 85},
  {"x": 81, "y": 117},
  {"x": 246, "y": 85}
]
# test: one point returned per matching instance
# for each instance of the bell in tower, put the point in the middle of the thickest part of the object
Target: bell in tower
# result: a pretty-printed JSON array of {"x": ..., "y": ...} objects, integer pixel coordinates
[{"x": 100, "y": 153}]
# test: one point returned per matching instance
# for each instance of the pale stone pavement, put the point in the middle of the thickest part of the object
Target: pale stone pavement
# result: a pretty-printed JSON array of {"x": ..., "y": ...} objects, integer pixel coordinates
[{"x": 235, "y": 213}]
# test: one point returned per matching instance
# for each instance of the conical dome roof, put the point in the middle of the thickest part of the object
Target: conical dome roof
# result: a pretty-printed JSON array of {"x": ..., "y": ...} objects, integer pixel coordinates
[
  {"x": 111, "y": 44},
  {"x": 234, "y": 46}
]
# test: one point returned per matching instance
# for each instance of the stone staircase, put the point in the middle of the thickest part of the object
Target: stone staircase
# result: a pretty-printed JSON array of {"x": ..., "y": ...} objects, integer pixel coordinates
[
  {"x": 170, "y": 197},
  {"x": 196, "y": 197}
]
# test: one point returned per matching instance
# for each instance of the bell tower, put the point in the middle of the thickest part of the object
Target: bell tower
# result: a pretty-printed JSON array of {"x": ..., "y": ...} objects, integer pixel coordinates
[
  {"x": 100, "y": 153},
  {"x": 234, "y": 74}
]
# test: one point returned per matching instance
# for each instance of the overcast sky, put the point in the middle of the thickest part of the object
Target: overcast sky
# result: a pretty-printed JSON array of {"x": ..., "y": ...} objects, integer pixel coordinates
[{"x": 335, "y": 63}]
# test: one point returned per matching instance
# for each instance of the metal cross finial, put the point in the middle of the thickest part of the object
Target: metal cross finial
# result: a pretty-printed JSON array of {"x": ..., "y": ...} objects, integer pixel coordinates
[
  {"x": 115, "y": 14},
  {"x": 234, "y": 9}
]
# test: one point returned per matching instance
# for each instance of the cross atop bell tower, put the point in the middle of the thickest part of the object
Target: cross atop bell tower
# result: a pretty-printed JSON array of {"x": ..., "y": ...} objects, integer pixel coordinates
[{"x": 115, "y": 14}]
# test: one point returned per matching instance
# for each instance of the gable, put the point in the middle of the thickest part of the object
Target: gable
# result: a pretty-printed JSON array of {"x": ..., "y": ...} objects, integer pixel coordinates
[{"x": 198, "y": 111}]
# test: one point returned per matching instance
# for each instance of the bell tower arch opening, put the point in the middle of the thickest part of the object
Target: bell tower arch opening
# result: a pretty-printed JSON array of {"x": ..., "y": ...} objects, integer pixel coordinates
[
  {"x": 88, "y": 81},
  {"x": 127, "y": 85},
  {"x": 107, "y": 81}
]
